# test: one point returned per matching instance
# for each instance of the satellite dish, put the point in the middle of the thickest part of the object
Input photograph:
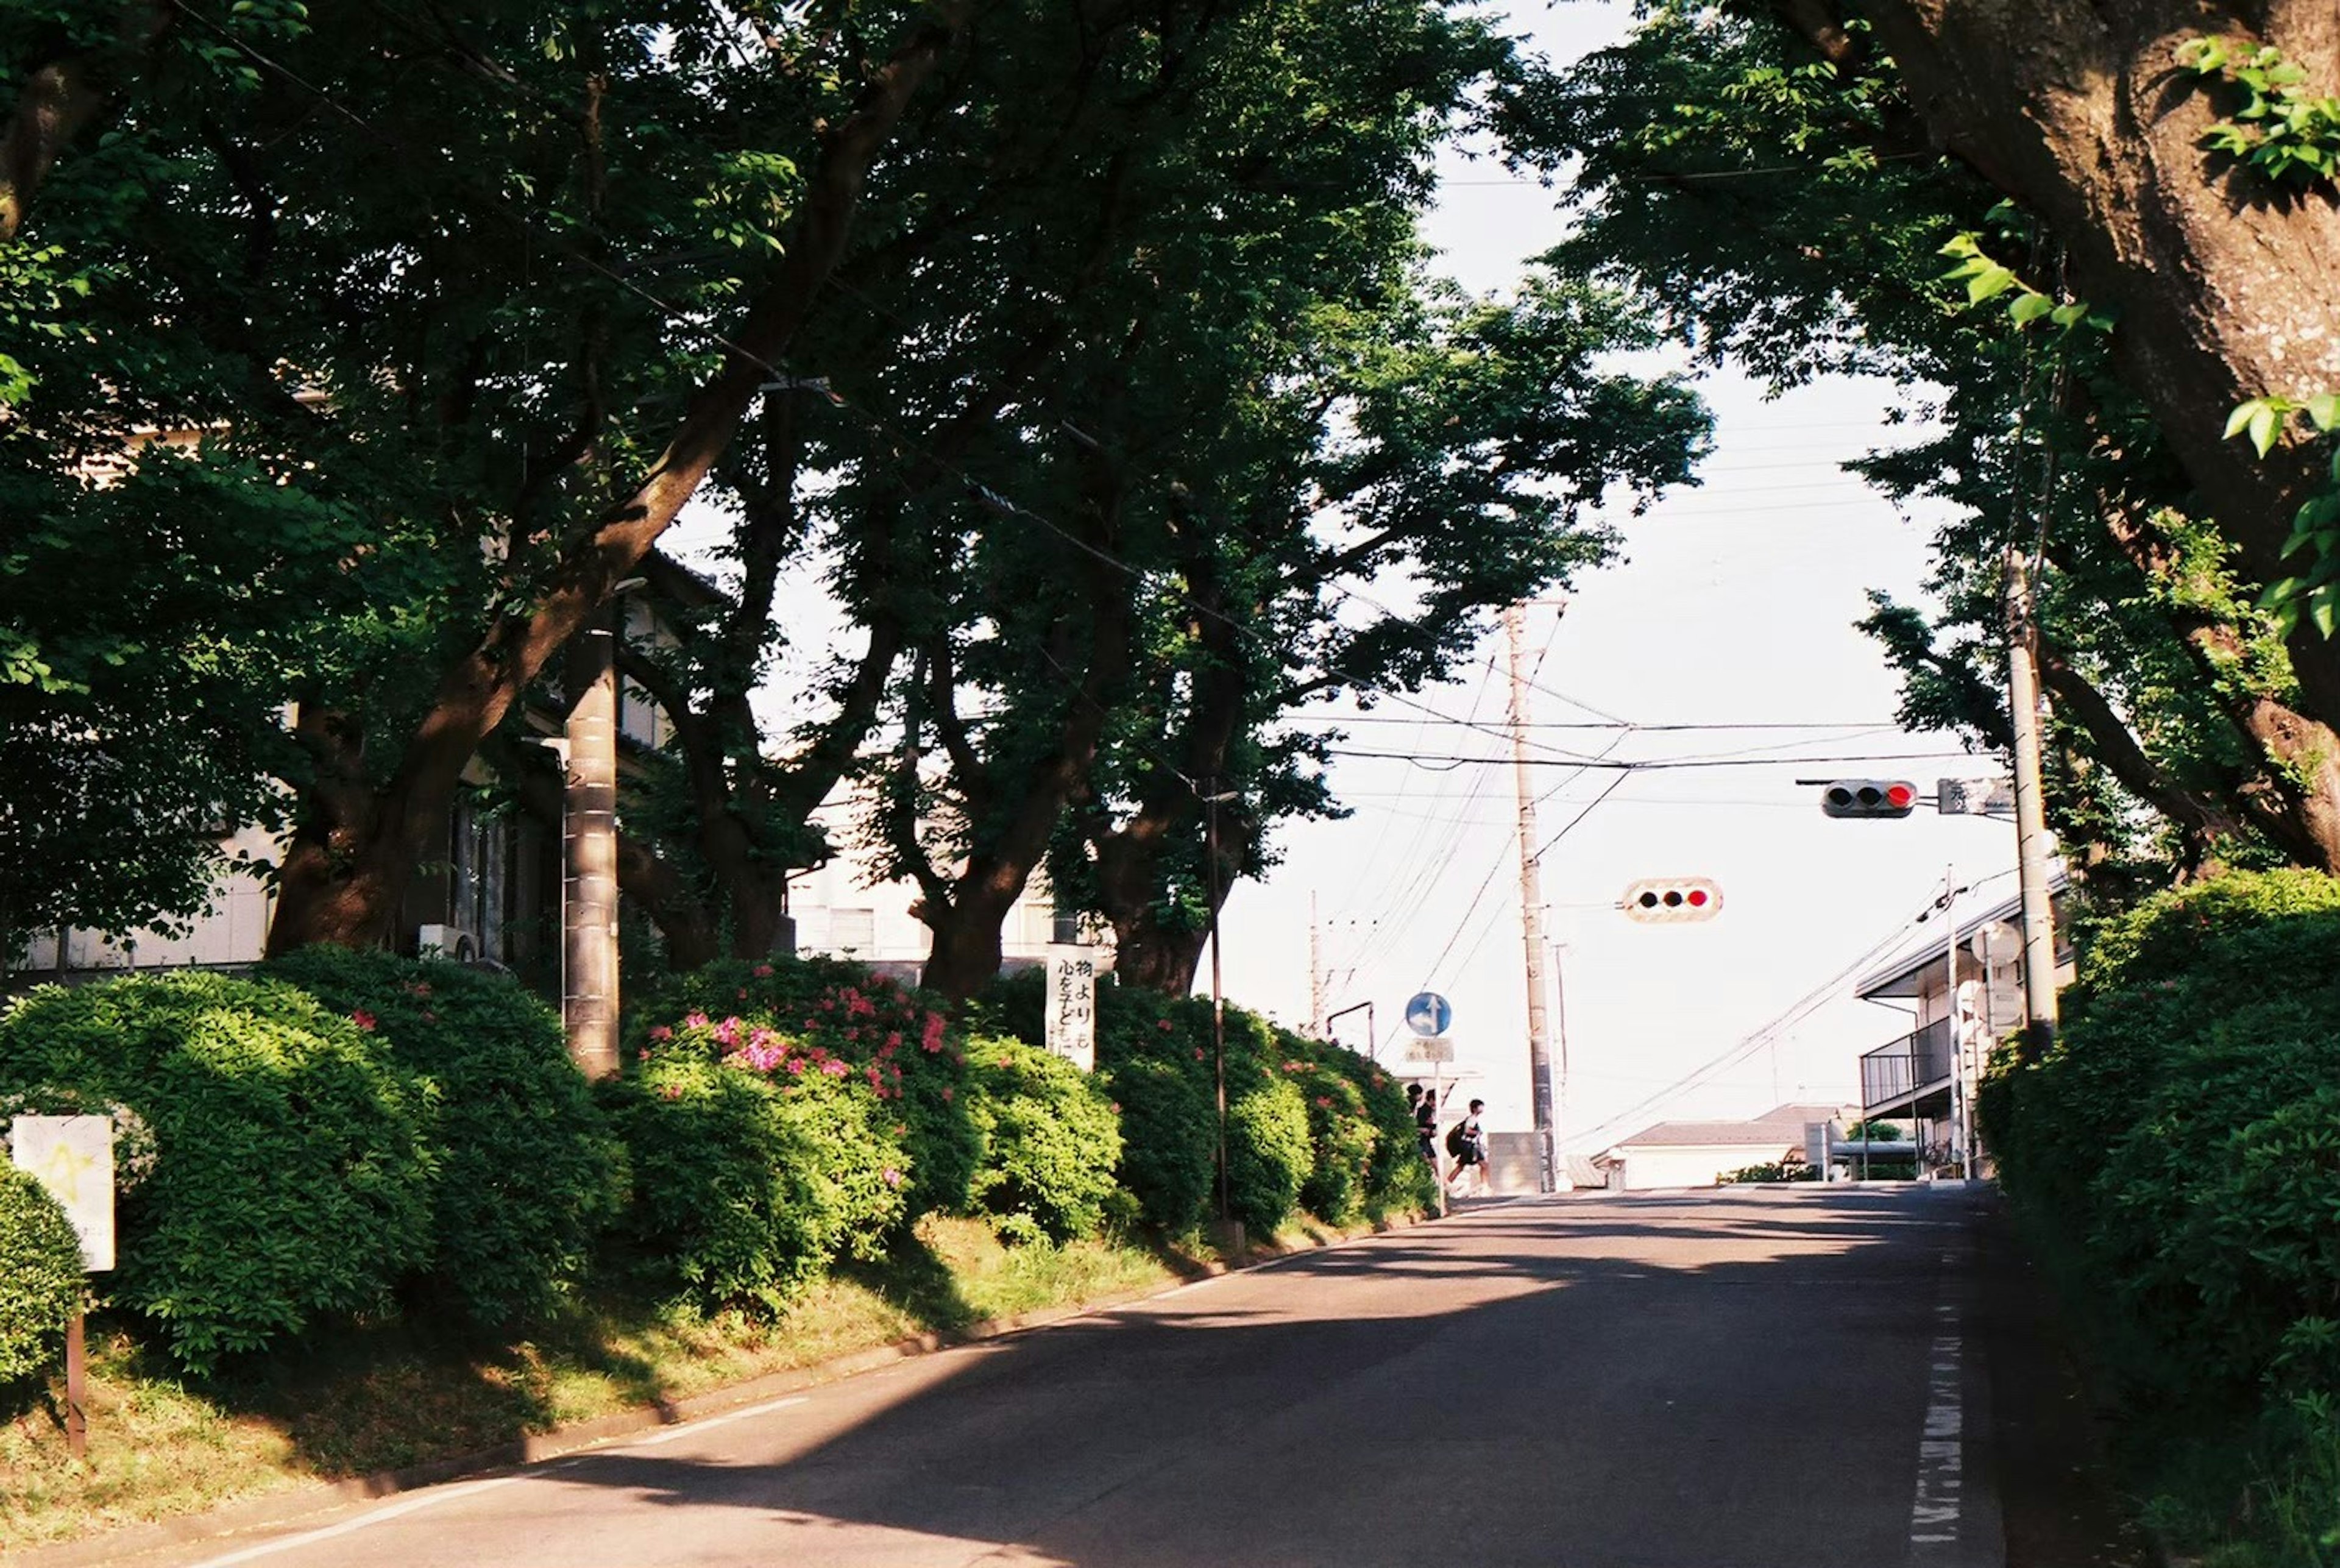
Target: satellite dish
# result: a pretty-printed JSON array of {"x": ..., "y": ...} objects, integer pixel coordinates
[{"x": 1997, "y": 943}]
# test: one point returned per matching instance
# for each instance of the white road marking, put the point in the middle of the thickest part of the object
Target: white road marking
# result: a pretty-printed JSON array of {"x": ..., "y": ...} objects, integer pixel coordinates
[
  {"x": 433, "y": 1496},
  {"x": 1941, "y": 1446}
]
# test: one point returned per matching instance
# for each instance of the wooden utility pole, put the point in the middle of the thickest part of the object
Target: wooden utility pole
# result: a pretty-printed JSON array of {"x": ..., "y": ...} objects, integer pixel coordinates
[
  {"x": 1531, "y": 913},
  {"x": 2030, "y": 819}
]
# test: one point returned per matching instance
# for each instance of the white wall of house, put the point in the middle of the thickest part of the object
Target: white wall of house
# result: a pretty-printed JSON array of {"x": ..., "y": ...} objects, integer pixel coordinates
[
  {"x": 234, "y": 932},
  {"x": 1688, "y": 1164}
]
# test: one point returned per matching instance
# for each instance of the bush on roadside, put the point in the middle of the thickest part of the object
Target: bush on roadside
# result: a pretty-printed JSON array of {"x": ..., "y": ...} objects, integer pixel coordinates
[
  {"x": 751, "y": 1180},
  {"x": 41, "y": 1278},
  {"x": 1049, "y": 1139},
  {"x": 898, "y": 1040},
  {"x": 527, "y": 1170},
  {"x": 1169, "y": 1141},
  {"x": 276, "y": 1169},
  {"x": 1270, "y": 1155},
  {"x": 2177, "y": 1148}
]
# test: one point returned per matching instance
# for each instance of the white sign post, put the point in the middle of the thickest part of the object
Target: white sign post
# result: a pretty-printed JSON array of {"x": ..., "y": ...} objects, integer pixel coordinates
[
  {"x": 73, "y": 1158},
  {"x": 1072, "y": 1006}
]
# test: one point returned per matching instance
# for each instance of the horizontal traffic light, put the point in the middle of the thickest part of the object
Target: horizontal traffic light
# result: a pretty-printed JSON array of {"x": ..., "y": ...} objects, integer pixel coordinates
[
  {"x": 1663, "y": 899},
  {"x": 1870, "y": 798}
]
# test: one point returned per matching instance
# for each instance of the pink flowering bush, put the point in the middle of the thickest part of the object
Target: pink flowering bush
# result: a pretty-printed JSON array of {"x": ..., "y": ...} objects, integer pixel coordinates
[{"x": 788, "y": 1019}]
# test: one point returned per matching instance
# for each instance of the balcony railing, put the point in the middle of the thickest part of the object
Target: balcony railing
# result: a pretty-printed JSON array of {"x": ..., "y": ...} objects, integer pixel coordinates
[{"x": 1912, "y": 1063}]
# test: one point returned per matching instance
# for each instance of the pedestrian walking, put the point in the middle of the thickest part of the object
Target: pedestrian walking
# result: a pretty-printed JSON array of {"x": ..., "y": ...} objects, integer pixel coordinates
[
  {"x": 1425, "y": 1121},
  {"x": 1466, "y": 1140}
]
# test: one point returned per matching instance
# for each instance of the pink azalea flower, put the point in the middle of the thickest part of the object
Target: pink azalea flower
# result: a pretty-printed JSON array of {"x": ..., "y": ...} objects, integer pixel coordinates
[
  {"x": 362, "y": 1019},
  {"x": 763, "y": 971},
  {"x": 1164, "y": 1025},
  {"x": 660, "y": 1032},
  {"x": 893, "y": 1177},
  {"x": 694, "y": 1020},
  {"x": 946, "y": 1092}
]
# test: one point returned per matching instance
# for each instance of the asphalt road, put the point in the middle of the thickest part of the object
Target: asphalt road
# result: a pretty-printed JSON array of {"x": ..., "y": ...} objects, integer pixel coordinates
[{"x": 1730, "y": 1380}]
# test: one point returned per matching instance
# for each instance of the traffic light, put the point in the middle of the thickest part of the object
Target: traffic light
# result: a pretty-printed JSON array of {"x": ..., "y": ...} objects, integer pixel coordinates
[
  {"x": 1870, "y": 798},
  {"x": 1662, "y": 900}
]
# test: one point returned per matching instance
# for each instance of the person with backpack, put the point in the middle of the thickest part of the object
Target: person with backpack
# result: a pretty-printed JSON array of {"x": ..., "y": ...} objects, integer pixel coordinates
[
  {"x": 1466, "y": 1140},
  {"x": 1425, "y": 1121}
]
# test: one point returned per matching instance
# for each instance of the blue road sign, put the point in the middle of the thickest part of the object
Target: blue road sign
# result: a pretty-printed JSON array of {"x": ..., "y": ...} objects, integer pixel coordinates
[{"x": 1428, "y": 1014}]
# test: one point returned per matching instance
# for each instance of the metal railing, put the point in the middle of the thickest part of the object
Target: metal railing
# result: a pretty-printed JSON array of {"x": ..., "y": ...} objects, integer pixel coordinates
[{"x": 1913, "y": 1063}]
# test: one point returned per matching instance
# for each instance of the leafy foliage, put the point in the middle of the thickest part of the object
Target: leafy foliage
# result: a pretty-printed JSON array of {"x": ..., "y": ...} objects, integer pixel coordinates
[
  {"x": 2184, "y": 1135},
  {"x": 1050, "y": 1139},
  {"x": 1270, "y": 1155},
  {"x": 41, "y": 1281},
  {"x": 791, "y": 1017},
  {"x": 275, "y": 1160},
  {"x": 747, "y": 1188},
  {"x": 528, "y": 1172},
  {"x": 2282, "y": 126}
]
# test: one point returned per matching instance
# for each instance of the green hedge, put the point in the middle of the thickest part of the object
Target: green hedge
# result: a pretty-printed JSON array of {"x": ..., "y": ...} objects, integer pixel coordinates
[
  {"x": 528, "y": 1172},
  {"x": 277, "y": 1166},
  {"x": 1049, "y": 1139},
  {"x": 2179, "y": 1150},
  {"x": 41, "y": 1279},
  {"x": 1270, "y": 1155},
  {"x": 749, "y": 1181}
]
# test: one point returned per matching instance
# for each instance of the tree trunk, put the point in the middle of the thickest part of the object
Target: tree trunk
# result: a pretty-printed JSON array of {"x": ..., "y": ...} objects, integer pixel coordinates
[
  {"x": 351, "y": 896},
  {"x": 2223, "y": 282}
]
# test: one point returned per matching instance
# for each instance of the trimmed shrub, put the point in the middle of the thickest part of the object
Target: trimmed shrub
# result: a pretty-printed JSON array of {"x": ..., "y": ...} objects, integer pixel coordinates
[
  {"x": 749, "y": 1182},
  {"x": 41, "y": 1280},
  {"x": 275, "y": 1168},
  {"x": 1169, "y": 1141},
  {"x": 896, "y": 1040},
  {"x": 1270, "y": 1155},
  {"x": 527, "y": 1169},
  {"x": 1049, "y": 1139}
]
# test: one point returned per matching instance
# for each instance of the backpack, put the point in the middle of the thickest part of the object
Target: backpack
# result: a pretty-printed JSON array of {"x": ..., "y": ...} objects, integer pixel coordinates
[{"x": 1455, "y": 1140}]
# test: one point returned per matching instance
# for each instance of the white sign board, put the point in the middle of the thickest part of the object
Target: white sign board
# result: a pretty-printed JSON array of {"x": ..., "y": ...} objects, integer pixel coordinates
[
  {"x": 1439, "y": 1049},
  {"x": 72, "y": 1157},
  {"x": 1072, "y": 1006}
]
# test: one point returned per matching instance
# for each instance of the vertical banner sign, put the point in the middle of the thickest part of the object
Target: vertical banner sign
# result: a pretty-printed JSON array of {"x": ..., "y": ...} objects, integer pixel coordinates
[
  {"x": 1072, "y": 1006},
  {"x": 72, "y": 1157}
]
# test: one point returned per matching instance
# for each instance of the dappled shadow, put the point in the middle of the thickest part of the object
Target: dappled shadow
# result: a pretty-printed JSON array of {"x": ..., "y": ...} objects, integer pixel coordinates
[{"x": 1607, "y": 1384}]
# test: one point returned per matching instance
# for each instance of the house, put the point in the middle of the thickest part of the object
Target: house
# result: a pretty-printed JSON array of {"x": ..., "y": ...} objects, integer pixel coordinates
[
  {"x": 1699, "y": 1153},
  {"x": 1915, "y": 1076}
]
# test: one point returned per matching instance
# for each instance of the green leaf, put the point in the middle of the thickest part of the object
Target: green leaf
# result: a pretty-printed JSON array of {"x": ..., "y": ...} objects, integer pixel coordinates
[
  {"x": 1991, "y": 281},
  {"x": 2265, "y": 428},
  {"x": 2030, "y": 306},
  {"x": 2324, "y": 411}
]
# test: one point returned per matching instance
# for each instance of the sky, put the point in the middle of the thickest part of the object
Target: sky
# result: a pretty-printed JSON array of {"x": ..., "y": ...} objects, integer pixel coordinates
[{"x": 1733, "y": 603}]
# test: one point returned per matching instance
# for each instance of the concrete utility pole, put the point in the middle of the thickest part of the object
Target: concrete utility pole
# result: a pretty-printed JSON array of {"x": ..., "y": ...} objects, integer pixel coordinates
[
  {"x": 1315, "y": 975},
  {"x": 1962, "y": 1134},
  {"x": 2031, "y": 820},
  {"x": 589, "y": 1000},
  {"x": 1531, "y": 913}
]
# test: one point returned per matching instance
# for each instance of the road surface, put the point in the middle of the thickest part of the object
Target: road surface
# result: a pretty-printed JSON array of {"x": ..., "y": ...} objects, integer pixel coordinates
[{"x": 1740, "y": 1379}]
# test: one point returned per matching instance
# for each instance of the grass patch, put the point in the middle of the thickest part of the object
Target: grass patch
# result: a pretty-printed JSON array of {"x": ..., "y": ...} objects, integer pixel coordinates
[{"x": 386, "y": 1395}]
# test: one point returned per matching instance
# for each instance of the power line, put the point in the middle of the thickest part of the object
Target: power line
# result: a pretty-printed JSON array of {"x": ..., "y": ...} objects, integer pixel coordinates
[{"x": 1445, "y": 762}]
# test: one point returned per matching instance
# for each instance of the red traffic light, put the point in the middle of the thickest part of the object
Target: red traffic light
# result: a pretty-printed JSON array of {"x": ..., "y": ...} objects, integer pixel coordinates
[
  {"x": 1870, "y": 798},
  {"x": 1659, "y": 900}
]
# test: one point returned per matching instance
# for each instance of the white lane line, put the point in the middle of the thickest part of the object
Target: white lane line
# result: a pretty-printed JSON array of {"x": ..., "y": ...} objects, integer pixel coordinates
[
  {"x": 1941, "y": 1446},
  {"x": 434, "y": 1496}
]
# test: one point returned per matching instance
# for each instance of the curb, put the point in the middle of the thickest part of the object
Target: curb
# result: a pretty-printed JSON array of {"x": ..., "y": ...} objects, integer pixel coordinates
[{"x": 292, "y": 1504}]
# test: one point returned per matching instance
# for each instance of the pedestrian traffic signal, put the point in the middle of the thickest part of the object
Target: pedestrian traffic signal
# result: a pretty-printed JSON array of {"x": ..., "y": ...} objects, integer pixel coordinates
[
  {"x": 1662, "y": 900},
  {"x": 1870, "y": 798}
]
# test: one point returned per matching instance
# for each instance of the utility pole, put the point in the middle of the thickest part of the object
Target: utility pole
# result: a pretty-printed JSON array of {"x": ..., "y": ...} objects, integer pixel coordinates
[
  {"x": 1531, "y": 912},
  {"x": 1211, "y": 800},
  {"x": 1962, "y": 1136},
  {"x": 589, "y": 1001},
  {"x": 2030, "y": 819},
  {"x": 1315, "y": 975}
]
